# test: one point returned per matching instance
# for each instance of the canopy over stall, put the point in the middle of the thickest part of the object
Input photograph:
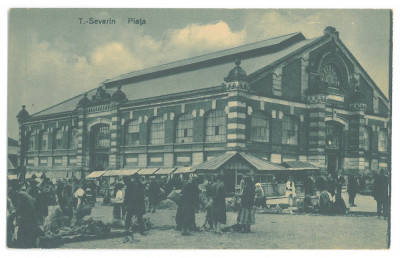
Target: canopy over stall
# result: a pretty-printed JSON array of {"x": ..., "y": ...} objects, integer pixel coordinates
[
  {"x": 147, "y": 171},
  {"x": 242, "y": 161},
  {"x": 184, "y": 170},
  {"x": 165, "y": 171},
  {"x": 95, "y": 174},
  {"x": 300, "y": 166}
]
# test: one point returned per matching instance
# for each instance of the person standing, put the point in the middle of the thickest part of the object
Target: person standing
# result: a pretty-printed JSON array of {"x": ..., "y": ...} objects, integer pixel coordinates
[
  {"x": 320, "y": 185},
  {"x": 331, "y": 185},
  {"x": 260, "y": 198},
  {"x": 352, "y": 189},
  {"x": 246, "y": 215},
  {"x": 380, "y": 192},
  {"x": 290, "y": 191},
  {"x": 274, "y": 184},
  {"x": 118, "y": 202},
  {"x": 209, "y": 213},
  {"x": 154, "y": 195},
  {"x": 309, "y": 186},
  {"x": 28, "y": 227},
  {"x": 190, "y": 203},
  {"x": 219, "y": 205},
  {"x": 135, "y": 204}
]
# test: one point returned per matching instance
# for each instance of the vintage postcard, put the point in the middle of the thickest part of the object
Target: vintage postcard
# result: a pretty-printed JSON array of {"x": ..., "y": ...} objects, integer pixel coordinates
[{"x": 199, "y": 128}]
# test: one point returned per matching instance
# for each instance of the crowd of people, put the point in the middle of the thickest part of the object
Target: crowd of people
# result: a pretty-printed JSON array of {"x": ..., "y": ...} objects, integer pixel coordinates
[
  {"x": 329, "y": 191},
  {"x": 28, "y": 201},
  {"x": 28, "y": 205}
]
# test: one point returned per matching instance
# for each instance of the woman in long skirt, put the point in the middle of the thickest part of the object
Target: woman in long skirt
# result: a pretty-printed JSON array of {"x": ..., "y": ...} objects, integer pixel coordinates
[{"x": 246, "y": 216}]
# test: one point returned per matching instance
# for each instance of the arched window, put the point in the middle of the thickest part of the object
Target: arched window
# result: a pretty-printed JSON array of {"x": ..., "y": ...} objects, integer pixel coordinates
[
  {"x": 157, "y": 131},
  {"x": 216, "y": 126},
  {"x": 382, "y": 140},
  {"x": 184, "y": 129},
  {"x": 102, "y": 136},
  {"x": 57, "y": 143},
  {"x": 290, "y": 130},
  {"x": 44, "y": 140},
  {"x": 132, "y": 133},
  {"x": 367, "y": 139},
  {"x": 259, "y": 127},
  {"x": 333, "y": 135},
  {"x": 72, "y": 138}
]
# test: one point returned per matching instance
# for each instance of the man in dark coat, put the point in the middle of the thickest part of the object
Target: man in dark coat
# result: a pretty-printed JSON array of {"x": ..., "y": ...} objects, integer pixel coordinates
[
  {"x": 380, "y": 192},
  {"x": 309, "y": 186},
  {"x": 331, "y": 184},
  {"x": 189, "y": 203},
  {"x": 352, "y": 187},
  {"x": 154, "y": 195},
  {"x": 28, "y": 229},
  {"x": 134, "y": 203},
  {"x": 320, "y": 184},
  {"x": 219, "y": 205}
]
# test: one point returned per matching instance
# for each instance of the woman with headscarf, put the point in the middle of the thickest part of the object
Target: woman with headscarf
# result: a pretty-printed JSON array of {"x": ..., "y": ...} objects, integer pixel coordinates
[
  {"x": 290, "y": 191},
  {"x": 260, "y": 198},
  {"x": 246, "y": 215}
]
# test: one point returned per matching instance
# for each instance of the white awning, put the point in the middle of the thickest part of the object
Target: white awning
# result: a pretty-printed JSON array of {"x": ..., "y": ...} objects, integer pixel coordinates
[
  {"x": 147, "y": 171},
  {"x": 95, "y": 174},
  {"x": 182, "y": 170}
]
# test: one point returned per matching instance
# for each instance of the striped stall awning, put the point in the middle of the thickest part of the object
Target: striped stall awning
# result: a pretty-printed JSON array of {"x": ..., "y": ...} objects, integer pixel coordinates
[
  {"x": 183, "y": 170},
  {"x": 147, "y": 171},
  {"x": 129, "y": 172},
  {"x": 164, "y": 171},
  {"x": 95, "y": 174}
]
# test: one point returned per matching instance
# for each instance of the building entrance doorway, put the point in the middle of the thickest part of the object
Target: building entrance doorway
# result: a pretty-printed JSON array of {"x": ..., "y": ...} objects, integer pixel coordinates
[{"x": 99, "y": 147}]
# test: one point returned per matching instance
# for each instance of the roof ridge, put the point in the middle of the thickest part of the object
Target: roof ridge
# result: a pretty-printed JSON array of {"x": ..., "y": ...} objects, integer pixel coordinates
[
  {"x": 203, "y": 55},
  {"x": 55, "y": 105}
]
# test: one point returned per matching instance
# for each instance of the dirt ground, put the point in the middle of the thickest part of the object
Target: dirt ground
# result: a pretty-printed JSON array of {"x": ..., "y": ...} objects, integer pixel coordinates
[{"x": 271, "y": 231}]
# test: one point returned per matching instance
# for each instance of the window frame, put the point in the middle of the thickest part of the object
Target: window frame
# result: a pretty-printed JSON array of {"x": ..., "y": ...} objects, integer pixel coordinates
[
  {"x": 184, "y": 128},
  {"x": 157, "y": 135},
  {"x": 290, "y": 139},
  {"x": 259, "y": 128},
  {"x": 215, "y": 126},
  {"x": 132, "y": 138}
]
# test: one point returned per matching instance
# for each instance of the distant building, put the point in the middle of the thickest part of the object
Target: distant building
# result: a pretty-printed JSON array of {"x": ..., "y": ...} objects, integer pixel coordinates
[
  {"x": 13, "y": 150},
  {"x": 279, "y": 100}
]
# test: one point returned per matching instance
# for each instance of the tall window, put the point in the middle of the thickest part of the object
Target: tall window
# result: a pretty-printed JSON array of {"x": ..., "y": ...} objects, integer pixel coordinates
[
  {"x": 44, "y": 140},
  {"x": 259, "y": 127},
  {"x": 157, "y": 131},
  {"x": 184, "y": 129},
  {"x": 367, "y": 139},
  {"x": 58, "y": 139},
  {"x": 382, "y": 140},
  {"x": 333, "y": 135},
  {"x": 216, "y": 126},
  {"x": 290, "y": 130},
  {"x": 132, "y": 133},
  {"x": 72, "y": 138},
  {"x": 102, "y": 136}
]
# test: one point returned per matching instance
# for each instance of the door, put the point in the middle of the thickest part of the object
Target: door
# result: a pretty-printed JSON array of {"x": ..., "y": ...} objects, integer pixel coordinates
[{"x": 332, "y": 163}]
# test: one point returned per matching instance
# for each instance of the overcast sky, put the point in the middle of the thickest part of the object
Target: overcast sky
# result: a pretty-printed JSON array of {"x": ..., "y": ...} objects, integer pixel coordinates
[{"x": 52, "y": 57}]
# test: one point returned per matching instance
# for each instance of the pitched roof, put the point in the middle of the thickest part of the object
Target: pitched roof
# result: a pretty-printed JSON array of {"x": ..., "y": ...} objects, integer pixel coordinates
[
  {"x": 219, "y": 161},
  {"x": 202, "y": 72},
  {"x": 299, "y": 165},
  {"x": 12, "y": 142}
]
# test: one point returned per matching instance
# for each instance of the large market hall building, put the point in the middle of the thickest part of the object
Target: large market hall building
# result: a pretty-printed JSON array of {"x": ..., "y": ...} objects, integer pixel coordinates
[{"x": 285, "y": 99}]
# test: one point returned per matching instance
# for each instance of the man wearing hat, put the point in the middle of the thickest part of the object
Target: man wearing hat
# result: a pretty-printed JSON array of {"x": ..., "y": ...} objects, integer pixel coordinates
[{"x": 134, "y": 203}]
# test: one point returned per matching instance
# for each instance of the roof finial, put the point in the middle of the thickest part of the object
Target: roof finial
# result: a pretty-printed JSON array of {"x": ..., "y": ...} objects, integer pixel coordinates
[
  {"x": 238, "y": 62},
  {"x": 23, "y": 106}
]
